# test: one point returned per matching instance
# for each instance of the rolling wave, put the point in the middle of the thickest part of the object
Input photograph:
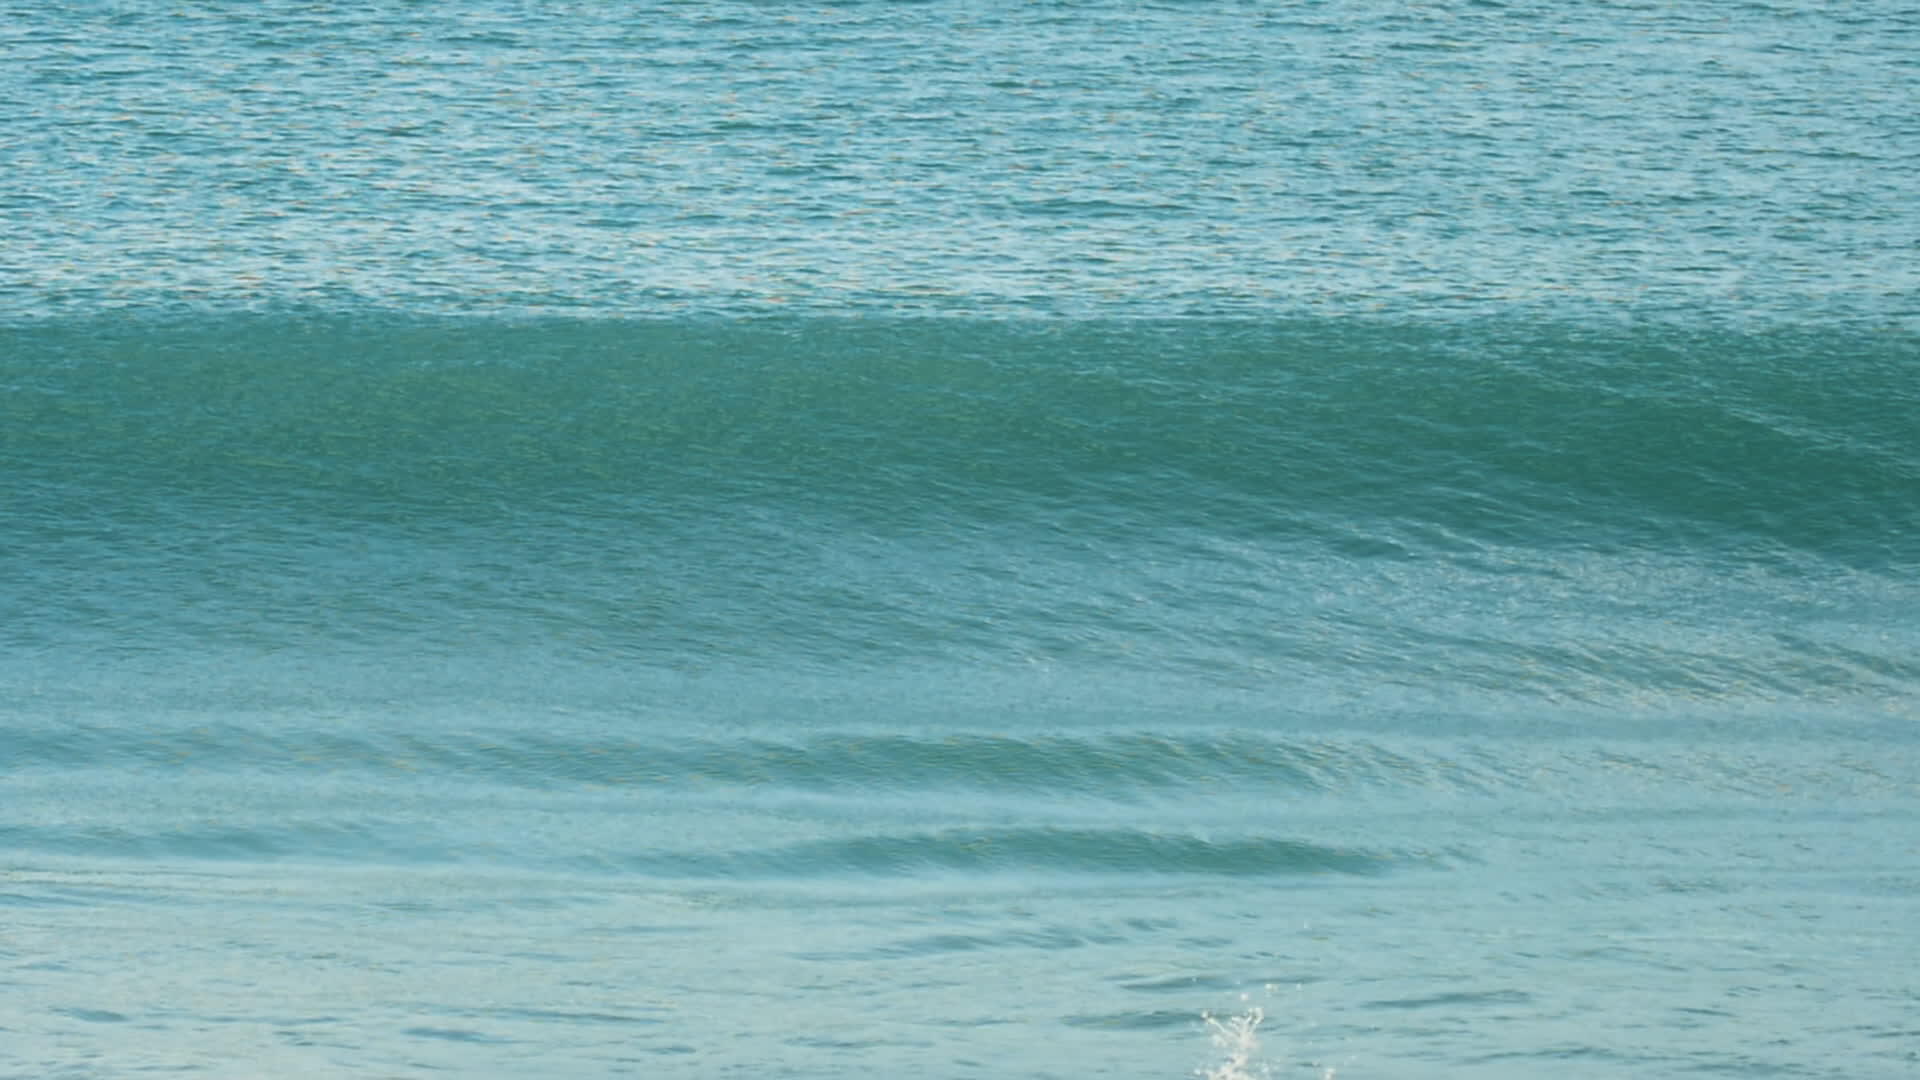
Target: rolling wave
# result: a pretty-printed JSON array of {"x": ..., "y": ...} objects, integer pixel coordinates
[
  {"x": 1551, "y": 514},
  {"x": 1413, "y": 438}
]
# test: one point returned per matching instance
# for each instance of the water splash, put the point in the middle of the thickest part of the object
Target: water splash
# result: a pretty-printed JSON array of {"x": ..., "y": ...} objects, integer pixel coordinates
[{"x": 1237, "y": 1038}]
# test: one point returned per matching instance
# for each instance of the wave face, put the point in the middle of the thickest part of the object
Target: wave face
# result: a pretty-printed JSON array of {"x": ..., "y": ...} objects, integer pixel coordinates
[
  {"x": 1500, "y": 514},
  {"x": 1068, "y": 679}
]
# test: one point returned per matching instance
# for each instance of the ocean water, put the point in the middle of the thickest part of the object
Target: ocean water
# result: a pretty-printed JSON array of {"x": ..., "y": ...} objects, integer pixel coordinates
[{"x": 1001, "y": 540}]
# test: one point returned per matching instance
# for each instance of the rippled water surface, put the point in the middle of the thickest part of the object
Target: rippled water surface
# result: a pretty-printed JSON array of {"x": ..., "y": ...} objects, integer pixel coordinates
[
  {"x": 1005, "y": 540},
  {"x": 1066, "y": 158}
]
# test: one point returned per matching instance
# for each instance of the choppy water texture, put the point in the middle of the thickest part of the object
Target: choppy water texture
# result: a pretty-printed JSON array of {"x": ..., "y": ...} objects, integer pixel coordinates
[
  {"x": 957, "y": 541},
  {"x": 1056, "y": 157}
]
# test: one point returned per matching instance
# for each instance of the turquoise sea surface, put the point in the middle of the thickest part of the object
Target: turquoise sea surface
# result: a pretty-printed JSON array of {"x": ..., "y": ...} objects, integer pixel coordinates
[{"x": 1020, "y": 541}]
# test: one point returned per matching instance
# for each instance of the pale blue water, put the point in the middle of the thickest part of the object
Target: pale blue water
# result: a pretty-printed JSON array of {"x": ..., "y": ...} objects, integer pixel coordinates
[{"x": 958, "y": 541}]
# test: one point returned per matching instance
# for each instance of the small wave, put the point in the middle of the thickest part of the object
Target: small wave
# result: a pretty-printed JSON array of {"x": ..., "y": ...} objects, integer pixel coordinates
[
  {"x": 1105, "y": 768},
  {"x": 1029, "y": 850}
]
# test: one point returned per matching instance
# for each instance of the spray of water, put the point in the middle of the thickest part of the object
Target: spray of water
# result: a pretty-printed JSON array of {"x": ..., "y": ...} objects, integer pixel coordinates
[{"x": 1237, "y": 1039}]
